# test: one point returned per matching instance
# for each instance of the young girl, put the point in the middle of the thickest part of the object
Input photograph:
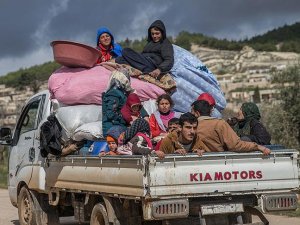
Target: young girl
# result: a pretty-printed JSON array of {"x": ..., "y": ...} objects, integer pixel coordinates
[
  {"x": 108, "y": 49},
  {"x": 159, "y": 120},
  {"x": 133, "y": 109}
]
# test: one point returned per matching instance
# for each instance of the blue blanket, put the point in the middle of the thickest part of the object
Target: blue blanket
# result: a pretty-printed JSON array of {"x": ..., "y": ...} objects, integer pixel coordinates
[{"x": 192, "y": 79}]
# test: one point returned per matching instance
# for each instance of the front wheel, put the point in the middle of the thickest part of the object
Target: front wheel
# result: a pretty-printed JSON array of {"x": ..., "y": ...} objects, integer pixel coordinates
[
  {"x": 33, "y": 209},
  {"x": 99, "y": 215},
  {"x": 26, "y": 208}
]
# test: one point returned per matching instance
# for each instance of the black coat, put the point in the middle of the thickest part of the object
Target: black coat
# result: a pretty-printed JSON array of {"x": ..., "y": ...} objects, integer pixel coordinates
[
  {"x": 161, "y": 53},
  {"x": 258, "y": 133}
]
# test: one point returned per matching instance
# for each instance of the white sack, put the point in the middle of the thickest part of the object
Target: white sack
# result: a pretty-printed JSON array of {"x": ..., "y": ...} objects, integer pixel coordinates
[
  {"x": 71, "y": 117},
  {"x": 89, "y": 131}
]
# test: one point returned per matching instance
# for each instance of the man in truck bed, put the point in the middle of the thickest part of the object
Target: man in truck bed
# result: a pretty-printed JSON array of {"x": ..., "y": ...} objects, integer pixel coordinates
[{"x": 217, "y": 135}]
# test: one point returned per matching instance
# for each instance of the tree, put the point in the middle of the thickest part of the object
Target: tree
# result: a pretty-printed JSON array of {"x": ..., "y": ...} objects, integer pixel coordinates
[
  {"x": 283, "y": 120},
  {"x": 256, "y": 95}
]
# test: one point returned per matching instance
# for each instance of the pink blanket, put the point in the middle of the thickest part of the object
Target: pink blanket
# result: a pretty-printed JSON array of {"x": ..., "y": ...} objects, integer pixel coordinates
[{"x": 72, "y": 86}]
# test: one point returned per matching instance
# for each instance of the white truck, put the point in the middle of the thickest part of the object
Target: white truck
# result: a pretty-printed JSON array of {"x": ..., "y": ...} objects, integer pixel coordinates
[{"x": 217, "y": 188}]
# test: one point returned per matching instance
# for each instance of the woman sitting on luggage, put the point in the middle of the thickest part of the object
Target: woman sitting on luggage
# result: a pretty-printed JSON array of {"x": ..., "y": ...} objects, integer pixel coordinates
[
  {"x": 157, "y": 57},
  {"x": 159, "y": 120},
  {"x": 133, "y": 109},
  {"x": 108, "y": 49},
  {"x": 248, "y": 127}
]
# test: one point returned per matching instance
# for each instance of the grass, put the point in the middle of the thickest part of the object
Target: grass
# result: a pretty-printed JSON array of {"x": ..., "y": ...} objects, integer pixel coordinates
[{"x": 4, "y": 171}]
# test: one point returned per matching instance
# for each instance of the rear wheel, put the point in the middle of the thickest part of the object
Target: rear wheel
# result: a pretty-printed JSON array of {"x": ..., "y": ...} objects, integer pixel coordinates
[{"x": 99, "y": 215}]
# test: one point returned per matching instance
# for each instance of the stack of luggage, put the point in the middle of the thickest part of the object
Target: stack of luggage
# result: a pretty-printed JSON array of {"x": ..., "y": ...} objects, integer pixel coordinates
[{"x": 77, "y": 97}]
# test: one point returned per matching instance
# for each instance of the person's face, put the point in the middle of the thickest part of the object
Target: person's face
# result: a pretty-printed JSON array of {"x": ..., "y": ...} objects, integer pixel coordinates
[
  {"x": 173, "y": 127},
  {"x": 105, "y": 40},
  {"x": 164, "y": 106},
  {"x": 112, "y": 146},
  {"x": 240, "y": 115},
  {"x": 156, "y": 35},
  {"x": 188, "y": 131},
  {"x": 135, "y": 108},
  {"x": 194, "y": 112}
]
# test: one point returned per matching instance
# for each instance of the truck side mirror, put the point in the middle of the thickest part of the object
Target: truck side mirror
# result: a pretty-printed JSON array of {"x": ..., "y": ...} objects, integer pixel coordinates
[{"x": 5, "y": 136}]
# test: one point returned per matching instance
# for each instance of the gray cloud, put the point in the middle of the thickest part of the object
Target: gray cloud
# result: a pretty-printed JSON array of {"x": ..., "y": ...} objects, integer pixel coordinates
[{"x": 27, "y": 27}]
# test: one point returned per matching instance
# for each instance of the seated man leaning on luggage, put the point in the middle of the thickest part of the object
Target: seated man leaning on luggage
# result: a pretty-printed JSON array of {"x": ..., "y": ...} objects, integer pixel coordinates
[
  {"x": 183, "y": 140},
  {"x": 217, "y": 135}
]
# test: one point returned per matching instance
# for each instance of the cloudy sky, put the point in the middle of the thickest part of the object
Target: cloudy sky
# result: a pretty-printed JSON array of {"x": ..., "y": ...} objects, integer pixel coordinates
[{"x": 28, "y": 27}]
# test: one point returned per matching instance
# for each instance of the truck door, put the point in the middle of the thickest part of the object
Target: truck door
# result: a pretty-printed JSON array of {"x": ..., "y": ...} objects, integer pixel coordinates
[{"x": 23, "y": 150}]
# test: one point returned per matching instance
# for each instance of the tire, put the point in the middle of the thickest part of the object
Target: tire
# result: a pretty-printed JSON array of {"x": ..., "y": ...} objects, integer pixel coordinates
[
  {"x": 26, "y": 208},
  {"x": 99, "y": 215},
  {"x": 33, "y": 209}
]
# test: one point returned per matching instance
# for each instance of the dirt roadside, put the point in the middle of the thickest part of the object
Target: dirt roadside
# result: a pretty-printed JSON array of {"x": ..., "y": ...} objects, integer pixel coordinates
[{"x": 9, "y": 214}]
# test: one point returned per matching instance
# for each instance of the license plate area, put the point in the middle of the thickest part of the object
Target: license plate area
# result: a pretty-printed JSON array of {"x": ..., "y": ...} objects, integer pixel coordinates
[{"x": 221, "y": 208}]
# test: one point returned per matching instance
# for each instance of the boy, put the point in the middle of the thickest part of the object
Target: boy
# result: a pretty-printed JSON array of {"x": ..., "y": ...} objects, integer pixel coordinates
[{"x": 112, "y": 140}]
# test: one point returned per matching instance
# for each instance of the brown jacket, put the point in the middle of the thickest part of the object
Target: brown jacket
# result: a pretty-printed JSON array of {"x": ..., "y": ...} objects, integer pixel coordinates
[
  {"x": 171, "y": 143},
  {"x": 218, "y": 136}
]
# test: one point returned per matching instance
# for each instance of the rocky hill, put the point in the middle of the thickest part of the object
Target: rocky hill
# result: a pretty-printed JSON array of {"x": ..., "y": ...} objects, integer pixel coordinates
[{"x": 240, "y": 73}]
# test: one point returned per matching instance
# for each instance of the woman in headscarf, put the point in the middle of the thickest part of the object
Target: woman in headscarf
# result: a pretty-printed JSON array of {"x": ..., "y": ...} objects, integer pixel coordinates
[
  {"x": 248, "y": 126},
  {"x": 106, "y": 45},
  {"x": 114, "y": 99},
  {"x": 133, "y": 109}
]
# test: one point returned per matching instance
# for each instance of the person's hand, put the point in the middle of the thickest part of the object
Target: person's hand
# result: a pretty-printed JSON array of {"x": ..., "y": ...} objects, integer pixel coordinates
[
  {"x": 121, "y": 138},
  {"x": 160, "y": 154},
  {"x": 264, "y": 150},
  {"x": 102, "y": 154},
  {"x": 199, "y": 152},
  {"x": 155, "y": 73},
  {"x": 163, "y": 134},
  {"x": 181, "y": 151}
]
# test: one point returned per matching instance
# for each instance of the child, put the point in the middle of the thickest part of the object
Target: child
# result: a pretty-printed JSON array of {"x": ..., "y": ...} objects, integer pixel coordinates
[
  {"x": 159, "y": 119},
  {"x": 173, "y": 125},
  {"x": 108, "y": 49},
  {"x": 138, "y": 136},
  {"x": 157, "y": 57},
  {"x": 112, "y": 140},
  {"x": 133, "y": 109}
]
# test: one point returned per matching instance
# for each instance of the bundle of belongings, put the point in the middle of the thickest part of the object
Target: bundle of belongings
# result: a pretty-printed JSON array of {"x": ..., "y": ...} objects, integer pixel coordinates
[{"x": 80, "y": 100}]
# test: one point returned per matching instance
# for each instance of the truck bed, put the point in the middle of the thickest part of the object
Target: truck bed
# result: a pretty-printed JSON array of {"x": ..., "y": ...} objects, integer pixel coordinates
[{"x": 176, "y": 176}]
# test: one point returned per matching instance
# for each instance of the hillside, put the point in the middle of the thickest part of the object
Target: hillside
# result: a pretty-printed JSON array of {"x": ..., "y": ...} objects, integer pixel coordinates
[{"x": 283, "y": 39}]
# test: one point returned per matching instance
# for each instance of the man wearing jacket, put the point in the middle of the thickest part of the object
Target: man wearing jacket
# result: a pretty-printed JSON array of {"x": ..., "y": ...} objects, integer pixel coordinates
[
  {"x": 217, "y": 135},
  {"x": 184, "y": 140}
]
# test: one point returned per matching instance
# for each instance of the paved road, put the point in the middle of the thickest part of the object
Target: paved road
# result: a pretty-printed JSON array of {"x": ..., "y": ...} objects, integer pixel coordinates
[{"x": 9, "y": 214}]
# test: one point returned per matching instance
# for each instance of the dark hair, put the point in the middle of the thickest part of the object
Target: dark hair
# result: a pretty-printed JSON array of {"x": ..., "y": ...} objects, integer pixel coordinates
[
  {"x": 167, "y": 97},
  {"x": 173, "y": 121},
  {"x": 202, "y": 107},
  {"x": 187, "y": 117}
]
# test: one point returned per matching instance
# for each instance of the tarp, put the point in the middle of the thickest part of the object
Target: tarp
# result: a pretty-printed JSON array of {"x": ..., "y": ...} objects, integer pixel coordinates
[{"x": 192, "y": 79}]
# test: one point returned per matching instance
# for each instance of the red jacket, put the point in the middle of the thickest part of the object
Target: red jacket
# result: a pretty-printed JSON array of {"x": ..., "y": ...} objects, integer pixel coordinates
[{"x": 154, "y": 127}]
